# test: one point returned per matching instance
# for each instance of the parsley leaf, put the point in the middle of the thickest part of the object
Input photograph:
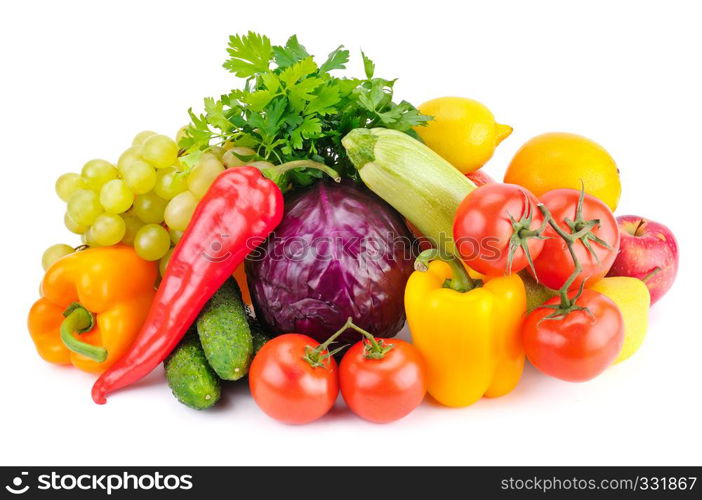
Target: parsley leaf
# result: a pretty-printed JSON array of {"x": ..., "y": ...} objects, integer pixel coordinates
[
  {"x": 325, "y": 100},
  {"x": 292, "y": 74},
  {"x": 250, "y": 54},
  {"x": 337, "y": 59},
  {"x": 368, "y": 65},
  {"x": 290, "y": 54}
]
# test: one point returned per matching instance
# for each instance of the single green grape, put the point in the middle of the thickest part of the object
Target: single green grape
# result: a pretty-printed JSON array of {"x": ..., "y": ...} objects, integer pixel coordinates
[
  {"x": 128, "y": 157},
  {"x": 98, "y": 172},
  {"x": 84, "y": 206},
  {"x": 207, "y": 155},
  {"x": 203, "y": 175},
  {"x": 107, "y": 230},
  {"x": 152, "y": 242},
  {"x": 170, "y": 182},
  {"x": 72, "y": 225},
  {"x": 160, "y": 151},
  {"x": 139, "y": 176},
  {"x": 87, "y": 239},
  {"x": 216, "y": 151},
  {"x": 54, "y": 253},
  {"x": 132, "y": 225},
  {"x": 116, "y": 197},
  {"x": 67, "y": 184},
  {"x": 175, "y": 235},
  {"x": 149, "y": 208},
  {"x": 163, "y": 263},
  {"x": 141, "y": 137},
  {"x": 180, "y": 210}
]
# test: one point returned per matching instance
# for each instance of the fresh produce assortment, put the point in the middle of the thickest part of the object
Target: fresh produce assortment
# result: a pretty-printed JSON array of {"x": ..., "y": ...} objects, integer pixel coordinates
[
  {"x": 284, "y": 235},
  {"x": 240, "y": 206}
]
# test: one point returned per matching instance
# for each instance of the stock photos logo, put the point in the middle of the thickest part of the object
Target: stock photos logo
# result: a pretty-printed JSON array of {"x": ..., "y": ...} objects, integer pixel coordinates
[
  {"x": 103, "y": 483},
  {"x": 18, "y": 487}
]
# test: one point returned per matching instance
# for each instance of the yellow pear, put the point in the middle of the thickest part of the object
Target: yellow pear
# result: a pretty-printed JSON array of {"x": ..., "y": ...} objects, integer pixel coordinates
[
  {"x": 536, "y": 293},
  {"x": 633, "y": 299}
]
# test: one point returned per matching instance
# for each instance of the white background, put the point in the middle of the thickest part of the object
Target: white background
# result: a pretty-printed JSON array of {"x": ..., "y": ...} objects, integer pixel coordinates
[{"x": 79, "y": 79}]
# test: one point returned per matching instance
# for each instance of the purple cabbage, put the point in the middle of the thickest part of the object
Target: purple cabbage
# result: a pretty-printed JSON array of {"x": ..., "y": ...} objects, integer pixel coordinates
[{"x": 339, "y": 251}]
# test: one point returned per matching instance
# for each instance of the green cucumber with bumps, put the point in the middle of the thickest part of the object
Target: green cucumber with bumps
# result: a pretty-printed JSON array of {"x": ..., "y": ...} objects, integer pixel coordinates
[
  {"x": 258, "y": 334},
  {"x": 225, "y": 334},
  {"x": 189, "y": 375}
]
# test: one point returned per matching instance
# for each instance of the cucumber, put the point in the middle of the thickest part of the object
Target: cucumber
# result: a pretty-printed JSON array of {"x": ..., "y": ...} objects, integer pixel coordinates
[
  {"x": 258, "y": 334},
  {"x": 225, "y": 334},
  {"x": 189, "y": 375}
]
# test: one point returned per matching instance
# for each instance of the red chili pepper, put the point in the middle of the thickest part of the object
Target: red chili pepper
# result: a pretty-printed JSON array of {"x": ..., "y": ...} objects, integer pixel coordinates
[{"x": 239, "y": 210}]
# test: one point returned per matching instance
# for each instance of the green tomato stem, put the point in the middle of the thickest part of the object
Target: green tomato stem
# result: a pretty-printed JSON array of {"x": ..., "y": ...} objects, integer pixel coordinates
[
  {"x": 567, "y": 304},
  {"x": 374, "y": 349},
  {"x": 316, "y": 356}
]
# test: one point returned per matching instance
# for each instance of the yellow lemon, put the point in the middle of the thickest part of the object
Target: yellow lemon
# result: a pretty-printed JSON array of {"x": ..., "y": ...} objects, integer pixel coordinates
[
  {"x": 561, "y": 160},
  {"x": 463, "y": 131},
  {"x": 633, "y": 300}
]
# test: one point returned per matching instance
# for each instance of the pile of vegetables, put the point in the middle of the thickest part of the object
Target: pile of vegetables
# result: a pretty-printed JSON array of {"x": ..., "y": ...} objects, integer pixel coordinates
[{"x": 290, "y": 230}]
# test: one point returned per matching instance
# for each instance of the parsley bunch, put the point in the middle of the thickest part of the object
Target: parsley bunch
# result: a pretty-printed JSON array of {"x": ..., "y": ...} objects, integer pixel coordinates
[{"x": 291, "y": 108}]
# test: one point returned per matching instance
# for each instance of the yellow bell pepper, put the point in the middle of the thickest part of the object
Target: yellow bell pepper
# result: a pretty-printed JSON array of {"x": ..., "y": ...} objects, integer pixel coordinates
[{"x": 469, "y": 335}]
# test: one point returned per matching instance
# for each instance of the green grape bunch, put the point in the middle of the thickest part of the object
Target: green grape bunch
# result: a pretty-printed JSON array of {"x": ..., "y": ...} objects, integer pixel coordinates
[{"x": 146, "y": 200}]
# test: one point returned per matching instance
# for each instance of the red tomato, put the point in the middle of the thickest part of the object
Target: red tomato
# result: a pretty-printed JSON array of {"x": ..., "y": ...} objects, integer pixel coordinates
[
  {"x": 483, "y": 229},
  {"x": 383, "y": 390},
  {"x": 286, "y": 386},
  {"x": 555, "y": 264},
  {"x": 480, "y": 178},
  {"x": 580, "y": 345}
]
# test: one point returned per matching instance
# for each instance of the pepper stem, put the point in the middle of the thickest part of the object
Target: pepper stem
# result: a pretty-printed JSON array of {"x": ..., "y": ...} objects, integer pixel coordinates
[
  {"x": 460, "y": 280},
  {"x": 80, "y": 320},
  {"x": 278, "y": 171}
]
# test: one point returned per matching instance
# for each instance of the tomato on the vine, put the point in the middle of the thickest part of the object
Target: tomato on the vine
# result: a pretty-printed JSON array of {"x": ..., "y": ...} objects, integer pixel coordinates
[
  {"x": 578, "y": 345},
  {"x": 384, "y": 381},
  {"x": 495, "y": 229},
  {"x": 293, "y": 380},
  {"x": 595, "y": 251}
]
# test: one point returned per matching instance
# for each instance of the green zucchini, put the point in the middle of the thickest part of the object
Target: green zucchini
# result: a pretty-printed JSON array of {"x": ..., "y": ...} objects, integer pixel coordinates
[
  {"x": 189, "y": 375},
  {"x": 417, "y": 182},
  {"x": 224, "y": 332}
]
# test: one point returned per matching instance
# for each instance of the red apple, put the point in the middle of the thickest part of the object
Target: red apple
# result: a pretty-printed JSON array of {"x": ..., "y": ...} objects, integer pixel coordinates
[
  {"x": 480, "y": 178},
  {"x": 648, "y": 251}
]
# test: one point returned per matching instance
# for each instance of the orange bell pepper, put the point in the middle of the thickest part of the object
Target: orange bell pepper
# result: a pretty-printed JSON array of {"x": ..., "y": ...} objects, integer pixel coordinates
[
  {"x": 92, "y": 306},
  {"x": 240, "y": 277}
]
